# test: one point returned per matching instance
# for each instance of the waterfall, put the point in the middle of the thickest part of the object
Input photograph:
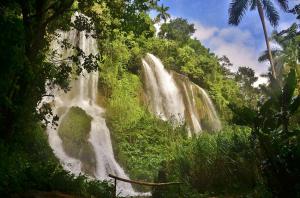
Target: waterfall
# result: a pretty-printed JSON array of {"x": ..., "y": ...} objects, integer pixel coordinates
[
  {"x": 99, "y": 134},
  {"x": 83, "y": 94},
  {"x": 170, "y": 95},
  {"x": 194, "y": 117},
  {"x": 166, "y": 100},
  {"x": 212, "y": 113}
]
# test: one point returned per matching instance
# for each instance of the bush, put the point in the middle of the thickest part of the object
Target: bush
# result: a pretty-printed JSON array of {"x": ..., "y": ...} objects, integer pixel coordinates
[
  {"x": 215, "y": 163},
  {"x": 143, "y": 146},
  {"x": 27, "y": 163}
]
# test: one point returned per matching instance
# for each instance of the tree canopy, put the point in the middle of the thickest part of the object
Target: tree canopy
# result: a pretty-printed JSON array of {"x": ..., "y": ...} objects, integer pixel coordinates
[{"x": 177, "y": 29}]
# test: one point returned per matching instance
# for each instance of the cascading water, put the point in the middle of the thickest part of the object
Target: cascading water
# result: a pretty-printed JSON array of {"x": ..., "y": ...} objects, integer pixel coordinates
[
  {"x": 99, "y": 135},
  {"x": 166, "y": 100},
  {"x": 194, "y": 117},
  {"x": 83, "y": 95},
  {"x": 171, "y": 95},
  {"x": 212, "y": 113}
]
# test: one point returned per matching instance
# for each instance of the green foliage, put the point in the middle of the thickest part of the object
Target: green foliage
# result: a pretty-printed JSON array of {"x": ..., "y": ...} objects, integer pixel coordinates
[
  {"x": 245, "y": 76},
  {"x": 220, "y": 163},
  {"x": 277, "y": 144},
  {"x": 12, "y": 59},
  {"x": 141, "y": 141},
  {"x": 296, "y": 11},
  {"x": 238, "y": 9},
  {"x": 287, "y": 56},
  {"x": 29, "y": 64},
  {"x": 35, "y": 64},
  {"x": 162, "y": 13},
  {"x": 177, "y": 29},
  {"x": 121, "y": 88},
  {"x": 189, "y": 66},
  {"x": 123, "y": 105},
  {"x": 27, "y": 163},
  {"x": 166, "y": 50},
  {"x": 143, "y": 146}
]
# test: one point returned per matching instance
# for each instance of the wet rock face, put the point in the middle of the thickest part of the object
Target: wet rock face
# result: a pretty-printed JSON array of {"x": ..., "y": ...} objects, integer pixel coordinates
[{"x": 74, "y": 131}]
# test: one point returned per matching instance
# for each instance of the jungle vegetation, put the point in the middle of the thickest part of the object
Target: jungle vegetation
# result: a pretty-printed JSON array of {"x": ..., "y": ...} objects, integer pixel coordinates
[{"x": 256, "y": 154}]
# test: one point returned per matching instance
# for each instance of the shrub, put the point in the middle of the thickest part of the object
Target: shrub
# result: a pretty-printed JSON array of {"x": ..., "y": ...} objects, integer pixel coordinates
[
  {"x": 27, "y": 164},
  {"x": 217, "y": 163}
]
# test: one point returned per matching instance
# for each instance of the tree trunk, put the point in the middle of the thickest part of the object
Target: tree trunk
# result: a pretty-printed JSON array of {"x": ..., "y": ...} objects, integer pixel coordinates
[{"x": 262, "y": 19}]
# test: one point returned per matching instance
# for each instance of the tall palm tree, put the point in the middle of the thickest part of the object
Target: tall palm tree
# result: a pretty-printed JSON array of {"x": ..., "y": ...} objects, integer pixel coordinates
[
  {"x": 162, "y": 13},
  {"x": 238, "y": 9}
]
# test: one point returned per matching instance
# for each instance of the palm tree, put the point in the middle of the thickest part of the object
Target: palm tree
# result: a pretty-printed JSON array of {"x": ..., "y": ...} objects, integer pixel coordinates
[
  {"x": 286, "y": 55},
  {"x": 162, "y": 13},
  {"x": 238, "y": 8}
]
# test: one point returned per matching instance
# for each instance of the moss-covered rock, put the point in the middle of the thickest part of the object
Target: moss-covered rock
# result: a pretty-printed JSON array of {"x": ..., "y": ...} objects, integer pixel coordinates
[{"x": 74, "y": 131}]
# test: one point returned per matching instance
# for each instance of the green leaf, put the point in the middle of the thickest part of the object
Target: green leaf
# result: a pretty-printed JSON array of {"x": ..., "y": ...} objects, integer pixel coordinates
[
  {"x": 265, "y": 108},
  {"x": 275, "y": 88},
  {"x": 243, "y": 115},
  {"x": 289, "y": 87},
  {"x": 271, "y": 12},
  {"x": 237, "y": 10},
  {"x": 294, "y": 104}
]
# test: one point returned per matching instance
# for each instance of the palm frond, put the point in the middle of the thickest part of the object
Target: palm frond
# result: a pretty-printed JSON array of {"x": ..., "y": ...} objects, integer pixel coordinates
[
  {"x": 167, "y": 15},
  {"x": 253, "y": 4},
  {"x": 166, "y": 8},
  {"x": 157, "y": 18},
  {"x": 265, "y": 55},
  {"x": 289, "y": 33},
  {"x": 237, "y": 10},
  {"x": 271, "y": 12},
  {"x": 284, "y": 4}
]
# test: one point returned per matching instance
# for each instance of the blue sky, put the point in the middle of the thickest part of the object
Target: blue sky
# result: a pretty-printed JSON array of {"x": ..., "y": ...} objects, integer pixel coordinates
[{"x": 242, "y": 44}]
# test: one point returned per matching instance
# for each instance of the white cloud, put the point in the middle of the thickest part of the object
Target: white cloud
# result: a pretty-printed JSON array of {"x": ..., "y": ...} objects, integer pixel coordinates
[
  {"x": 203, "y": 33},
  {"x": 237, "y": 44},
  {"x": 234, "y": 34}
]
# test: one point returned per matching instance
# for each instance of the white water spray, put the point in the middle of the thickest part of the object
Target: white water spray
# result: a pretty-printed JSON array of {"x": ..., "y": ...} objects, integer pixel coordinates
[
  {"x": 166, "y": 100},
  {"x": 171, "y": 95}
]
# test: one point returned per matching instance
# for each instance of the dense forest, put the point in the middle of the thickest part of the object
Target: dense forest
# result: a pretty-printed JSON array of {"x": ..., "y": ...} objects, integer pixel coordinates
[{"x": 93, "y": 87}]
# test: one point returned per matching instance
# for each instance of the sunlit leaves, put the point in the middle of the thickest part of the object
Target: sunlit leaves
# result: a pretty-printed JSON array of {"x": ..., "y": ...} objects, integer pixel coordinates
[
  {"x": 177, "y": 29},
  {"x": 289, "y": 87}
]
